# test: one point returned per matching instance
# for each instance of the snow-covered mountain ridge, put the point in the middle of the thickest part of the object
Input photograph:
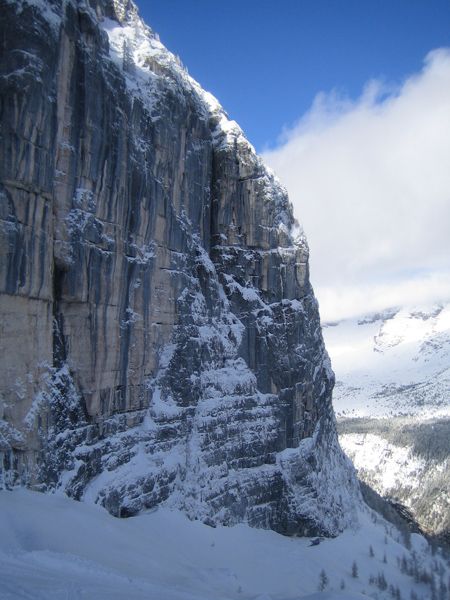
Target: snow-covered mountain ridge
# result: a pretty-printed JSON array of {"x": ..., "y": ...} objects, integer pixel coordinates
[
  {"x": 161, "y": 339},
  {"x": 392, "y": 364},
  {"x": 392, "y": 397}
]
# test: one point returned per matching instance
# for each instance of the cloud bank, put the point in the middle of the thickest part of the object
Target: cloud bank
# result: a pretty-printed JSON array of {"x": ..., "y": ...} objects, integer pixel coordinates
[{"x": 370, "y": 183}]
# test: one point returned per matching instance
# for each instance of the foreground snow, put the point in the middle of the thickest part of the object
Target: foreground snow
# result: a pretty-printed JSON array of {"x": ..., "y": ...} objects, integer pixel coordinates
[{"x": 52, "y": 547}]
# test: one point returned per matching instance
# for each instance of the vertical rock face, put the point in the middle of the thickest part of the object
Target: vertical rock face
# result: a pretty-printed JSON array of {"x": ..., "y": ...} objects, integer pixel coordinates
[{"x": 160, "y": 338}]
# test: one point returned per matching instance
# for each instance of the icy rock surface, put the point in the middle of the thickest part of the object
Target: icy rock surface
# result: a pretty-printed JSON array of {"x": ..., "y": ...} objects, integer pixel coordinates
[{"x": 161, "y": 341}]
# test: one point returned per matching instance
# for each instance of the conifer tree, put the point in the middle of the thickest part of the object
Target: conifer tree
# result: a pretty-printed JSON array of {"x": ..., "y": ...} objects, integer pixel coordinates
[{"x": 323, "y": 580}]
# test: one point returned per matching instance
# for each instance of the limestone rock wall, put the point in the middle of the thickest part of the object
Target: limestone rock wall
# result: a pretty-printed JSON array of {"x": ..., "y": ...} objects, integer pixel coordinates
[{"x": 160, "y": 339}]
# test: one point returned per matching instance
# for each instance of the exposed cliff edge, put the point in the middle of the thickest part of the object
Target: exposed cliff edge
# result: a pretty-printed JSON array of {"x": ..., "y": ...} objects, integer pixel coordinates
[{"x": 160, "y": 338}]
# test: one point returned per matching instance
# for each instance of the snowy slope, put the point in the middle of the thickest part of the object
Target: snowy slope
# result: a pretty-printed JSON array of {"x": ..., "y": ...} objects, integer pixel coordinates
[
  {"x": 53, "y": 548},
  {"x": 392, "y": 398},
  {"x": 393, "y": 363},
  {"x": 395, "y": 469}
]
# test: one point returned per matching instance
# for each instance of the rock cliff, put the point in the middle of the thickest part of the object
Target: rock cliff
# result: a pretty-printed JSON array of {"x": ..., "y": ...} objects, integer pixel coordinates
[{"x": 160, "y": 338}]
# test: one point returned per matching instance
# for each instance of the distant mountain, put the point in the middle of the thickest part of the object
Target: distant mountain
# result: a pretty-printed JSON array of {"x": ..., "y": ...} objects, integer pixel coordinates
[
  {"x": 392, "y": 399},
  {"x": 394, "y": 363}
]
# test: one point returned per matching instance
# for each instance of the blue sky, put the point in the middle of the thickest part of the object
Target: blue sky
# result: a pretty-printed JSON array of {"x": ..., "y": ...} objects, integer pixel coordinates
[
  {"x": 265, "y": 60},
  {"x": 349, "y": 102}
]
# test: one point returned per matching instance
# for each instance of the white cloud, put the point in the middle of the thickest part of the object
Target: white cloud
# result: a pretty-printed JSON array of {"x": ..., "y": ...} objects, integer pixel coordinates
[{"x": 370, "y": 182}]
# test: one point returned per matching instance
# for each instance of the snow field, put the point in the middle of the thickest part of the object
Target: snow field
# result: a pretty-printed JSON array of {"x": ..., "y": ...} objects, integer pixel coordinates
[{"x": 54, "y": 548}]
